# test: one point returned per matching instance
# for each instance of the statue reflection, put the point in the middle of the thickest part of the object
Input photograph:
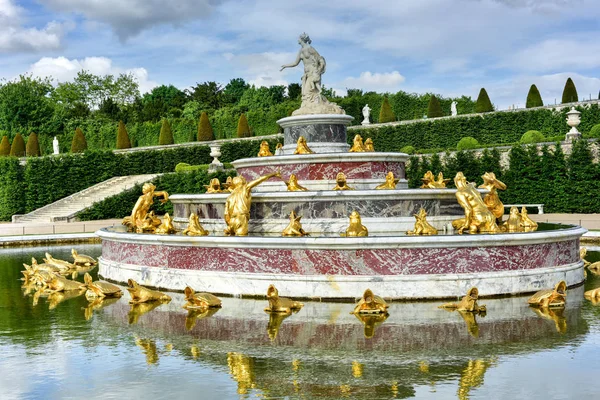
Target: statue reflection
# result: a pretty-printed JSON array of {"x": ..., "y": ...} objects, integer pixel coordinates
[
  {"x": 194, "y": 315},
  {"x": 472, "y": 376},
  {"x": 241, "y": 368},
  {"x": 55, "y": 298},
  {"x": 139, "y": 309},
  {"x": 371, "y": 322},
  {"x": 553, "y": 314},
  {"x": 148, "y": 347},
  {"x": 471, "y": 321},
  {"x": 275, "y": 321},
  {"x": 98, "y": 304}
]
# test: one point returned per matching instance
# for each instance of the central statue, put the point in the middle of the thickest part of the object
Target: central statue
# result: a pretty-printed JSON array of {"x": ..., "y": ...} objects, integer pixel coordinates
[
  {"x": 478, "y": 219},
  {"x": 313, "y": 102},
  {"x": 237, "y": 205}
]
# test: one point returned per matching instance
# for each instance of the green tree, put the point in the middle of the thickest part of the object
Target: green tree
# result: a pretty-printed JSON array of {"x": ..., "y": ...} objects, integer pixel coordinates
[
  {"x": 33, "y": 146},
  {"x": 162, "y": 101},
  {"x": 4, "y": 147},
  {"x": 385, "y": 113},
  {"x": 532, "y": 136},
  {"x": 123, "y": 141},
  {"x": 25, "y": 105},
  {"x": 569, "y": 92},
  {"x": 205, "y": 130},
  {"x": 483, "y": 103},
  {"x": 17, "y": 148},
  {"x": 243, "y": 129},
  {"x": 79, "y": 144},
  {"x": 534, "y": 98},
  {"x": 467, "y": 143},
  {"x": 234, "y": 90},
  {"x": 294, "y": 91},
  {"x": 166, "y": 135},
  {"x": 209, "y": 94},
  {"x": 434, "y": 109}
]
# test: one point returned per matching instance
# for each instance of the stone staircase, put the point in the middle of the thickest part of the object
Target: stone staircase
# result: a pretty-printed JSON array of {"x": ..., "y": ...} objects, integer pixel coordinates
[{"x": 64, "y": 210}]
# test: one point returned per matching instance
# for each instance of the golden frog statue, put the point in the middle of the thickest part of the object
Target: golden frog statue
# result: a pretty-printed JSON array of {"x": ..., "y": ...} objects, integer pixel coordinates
[
  {"x": 59, "y": 284},
  {"x": 228, "y": 185},
  {"x": 340, "y": 181},
  {"x": 370, "y": 304},
  {"x": 390, "y": 182},
  {"x": 166, "y": 227},
  {"x": 237, "y": 205},
  {"x": 527, "y": 224},
  {"x": 593, "y": 295},
  {"x": 545, "y": 298},
  {"x": 356, "y": 227},
  {"x": 467, "y": 303},
  {"x": 492, "y": 200},
  {"x": 140, "y": 294},
  {"x": 478, "y": 219},
  {"x": 294, "y": 228},
  {"x": 293, "y": 185},
  {"x": 137, "y": 221},
  {"x": 357, "y": 145},
  {"x": 214, "y": 186},
  {"x": 429, "y": 181},
  {"x": 280, "y": 304},
  {"x": 200, "y": 300},
  {"x": 422, "y": 227},
  {"x": 513, "y": 223},
  {"x": 194, "y": 228},
  {"x": 264, "y": 149},
  {"x": 82, "y": 259},
  {"x": 369, "y": 145},
  {"x": 302, "y": 147}
]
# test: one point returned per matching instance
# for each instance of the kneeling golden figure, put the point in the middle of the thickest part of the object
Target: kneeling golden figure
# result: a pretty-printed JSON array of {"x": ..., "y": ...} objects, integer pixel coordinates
[
  {"x": 280, "y": 304},
  {"x": 356, "y": 227},
  {"x": 369, "y": 145},
  {"x": 357, "y": 145},
  {"x": 214, "y": 186},
  {"x": 422, "y": 227},
  {"x": 492, "y": 200},
  {"x": 166, "y": 227},
  {"x": 556, "y": 297},
  {"x": 200, "y": 300},
  {"x": 294, "y": 228},
  {"x": 264, "y": 150},
  {"x": 370, "y": 304},
  {"x": 140, "y": 294},
  {"x": 138, "y": 220},
  {"x": 429, "y": 181},
  {"x": 194, "y": 228},
  {"x": 467, "y": 303},
  {"x": 478, "y": 219},
  {"x": 390, "y": 182},
  {"x": 340, "y": 181},
  {"x": 293, "y": 185},
  {"x": 302, "y": 147}
]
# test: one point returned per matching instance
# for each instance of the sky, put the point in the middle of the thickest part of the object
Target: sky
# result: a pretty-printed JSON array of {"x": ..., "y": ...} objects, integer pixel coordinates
[{"x": 449, "y": 47}]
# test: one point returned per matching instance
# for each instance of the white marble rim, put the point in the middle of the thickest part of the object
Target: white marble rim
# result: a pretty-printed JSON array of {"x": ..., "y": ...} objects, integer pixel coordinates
[
  {"x": 317, "y": 158},
  {"x": 314, "y": 119},
  {"x": 348, "y": 243}
]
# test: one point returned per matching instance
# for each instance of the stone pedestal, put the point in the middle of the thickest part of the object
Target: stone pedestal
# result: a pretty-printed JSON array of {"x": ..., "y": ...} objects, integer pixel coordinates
[{"x": 324, "y": 133}]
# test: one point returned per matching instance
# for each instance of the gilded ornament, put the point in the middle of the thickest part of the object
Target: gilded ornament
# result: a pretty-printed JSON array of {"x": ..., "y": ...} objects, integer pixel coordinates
[
  {"x": 340, "y": 181},
  {"x": 513, "y": 223},
  {"x": 214, "y": 186},
  {"x": 294, "y": 228},
  {"x": 356, "y": 227},
  {"x": 594, "y": 268},
  {"x": 140, "y": 294},
  {"x": 545, "y": 298},
  {"x": 357, "y": 145},
  {"x": 63, "y": 266},
  {"x": 593, "y": 295},
  {"x": 302, "y": 147},
  {"x": 228, "y": 185},
  {"x": 138, "y": 220},
  {"x": 166, "y": 227},
  {"x": 467, "y": 303},
  {"x": 492, "y": 200},
  {"x": 478, "y": 219},
  {"x": 200, "y": 300},
  {"x": 194, "y": 228},
  {"x": 430, "y": 182},
  {"x": 237, "y": 205},
  {"x": 370, "y": 304},
  {"x": 527, "y": 224},
  {"x": 390, "y": 182},
  {"x": 194, "y": 315},
  {"x": 369, "y": 145},
  {"x": 371, "y": 322},
  {"x": 99, "y": 289},
  {"x": 82, "y": 259},
  {"x": 264, "y": 150},
  {"x": 280, "y": 304},
  {"x": 422, "y": 227},
  {"x": 582, "y": 254},
  {"x": 59, "y": 284},
  {"x": 293, "y": 185}
]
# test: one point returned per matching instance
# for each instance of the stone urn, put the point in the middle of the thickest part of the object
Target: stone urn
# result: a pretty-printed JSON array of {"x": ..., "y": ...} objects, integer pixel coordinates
[
  {"x": 573, "y": 120},
  {"x": 215, "y": 153}
]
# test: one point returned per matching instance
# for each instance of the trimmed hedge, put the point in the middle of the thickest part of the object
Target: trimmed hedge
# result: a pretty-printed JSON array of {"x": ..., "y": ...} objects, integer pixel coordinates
[
  {"x": 385, "y": 113},
  {"x": 434, "y": 109},
  {"x": 17, "y": 149},
  {"x": 166, "y": 136},
  {"x": 123, "y": 141},
  {"x": 243, "y": 129},
  {"x": 467, "y": 143},
  {"x": 11, "y": 188},
  {"x": 78, "y": 144},
  {"x": 33, "y": 146},
  {"x": 532, "y": 136},
  {"x": 4, "y": 146},
  {"x": 534, "y": 98},
  {"x": 569, "y": 92},
  {"x": 205, "y": 130},
  {"x": 594, "y": 132},
  {"x": 483, "y": 103}
]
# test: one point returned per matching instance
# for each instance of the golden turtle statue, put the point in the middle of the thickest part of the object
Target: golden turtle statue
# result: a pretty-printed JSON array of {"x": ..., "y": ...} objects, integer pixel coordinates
[
  {"x": 99, "y": 289},
  {"x": 82, "y": 259},
  {"x": 370, "y": 304},
  {"x": 280, "y": 304},
  {"x": 467, "y": 303},
  {"x": 140, "y": 294},
  {"x": 200, "y": 300},
  {"x": 545, "y": 298}
]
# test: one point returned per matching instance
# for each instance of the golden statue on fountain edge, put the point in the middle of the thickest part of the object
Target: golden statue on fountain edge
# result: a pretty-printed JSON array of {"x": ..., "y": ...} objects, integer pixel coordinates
[
  {"x": 302, "y": 147},
  {"x": 390, "y": 182},
  {"x": 422, "y": 227},
  {"x": 264, "y": 150},
  {"x": 141, "y": 220},
  {"x": 478, "y": 219},
  {"x": 429, "y": 181}
]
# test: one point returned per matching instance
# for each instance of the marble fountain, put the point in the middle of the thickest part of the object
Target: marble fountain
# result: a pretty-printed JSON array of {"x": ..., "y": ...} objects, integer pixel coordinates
[{"x": 326, "y": 265}]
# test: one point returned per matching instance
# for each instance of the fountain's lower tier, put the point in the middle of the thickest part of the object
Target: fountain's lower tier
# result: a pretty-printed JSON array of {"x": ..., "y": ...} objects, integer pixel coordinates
[{"x": 395, "y": 267}]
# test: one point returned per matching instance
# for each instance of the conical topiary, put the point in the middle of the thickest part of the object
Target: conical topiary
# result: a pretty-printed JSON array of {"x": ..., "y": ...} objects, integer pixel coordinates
[
  {"x": 166, "y": 136},
  {"x": 78, "y": 145},
  {"x": 205, "y": 130},
  {"x": 385, "y": 113},
  {"x": 434, "y": 109},
  {"x": 483, "y": 103},
  {"x": 243, "y": 129},
  {"x": 569, "y": 92},
  {"x": 4, "y": 146},
  {"x": 123, "y": 141},
  {"x": 33, "y": 146},
  {"x": 534, "y": 99},
  {"x": 18, "y": 146}
]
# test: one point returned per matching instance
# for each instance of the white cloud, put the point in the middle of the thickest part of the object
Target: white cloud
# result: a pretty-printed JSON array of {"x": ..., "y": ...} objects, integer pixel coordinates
[
  {"x": 63, "y": 69},
  {"x": 14, "y": 37},
  {"x": 378, "y": 82},
  {"x": 263, "y": 69},
  {"x": 129, "y": 17},
  {"x": 558, "y": 54}
]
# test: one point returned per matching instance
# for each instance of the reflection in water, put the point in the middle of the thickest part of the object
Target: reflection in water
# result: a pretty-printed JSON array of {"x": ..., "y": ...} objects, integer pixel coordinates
[
  {"x": 55, "y": 298},
  {"x": 357, "y": 369},
  {"x": 139, "y": 309},
  {"x": 241, "y": 368},
  {"x": 472, "y": 376},
  {"x": 148, "y": 347},
  {"x": 553, "y": 314},
  {"x": 194, "y": 315},
  {"x": 96, "y": 305},
  {"x": 275, "y": 321},
  {"x": 471, "y": 321},
  {"x": 371, "y": 322}
]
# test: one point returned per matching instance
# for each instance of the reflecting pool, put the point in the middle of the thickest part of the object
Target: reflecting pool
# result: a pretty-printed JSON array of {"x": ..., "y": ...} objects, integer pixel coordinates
[{"x": 70, "y": 348}]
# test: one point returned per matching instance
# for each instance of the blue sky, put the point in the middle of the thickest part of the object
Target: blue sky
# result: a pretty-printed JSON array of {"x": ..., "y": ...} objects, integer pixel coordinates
[{"x": 451, "y": 47}]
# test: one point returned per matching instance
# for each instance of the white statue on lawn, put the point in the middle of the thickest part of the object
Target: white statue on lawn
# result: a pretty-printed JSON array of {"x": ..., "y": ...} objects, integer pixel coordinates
[
  {"x": 453, "y": 109},
  {"x": 313, "y": 102},
  {"x": 366, "y": 111},
  {"x": 55, "y": 146}
]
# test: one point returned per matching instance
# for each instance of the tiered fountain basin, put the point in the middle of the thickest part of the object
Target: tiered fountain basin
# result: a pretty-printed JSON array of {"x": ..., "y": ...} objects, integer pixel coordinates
[{"x": 395, "y": 267}]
